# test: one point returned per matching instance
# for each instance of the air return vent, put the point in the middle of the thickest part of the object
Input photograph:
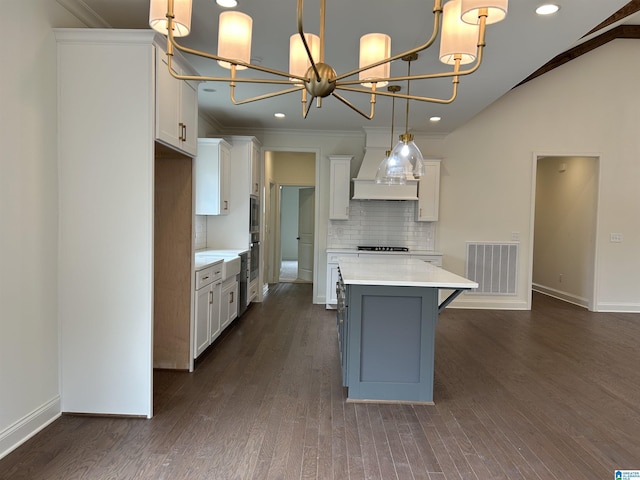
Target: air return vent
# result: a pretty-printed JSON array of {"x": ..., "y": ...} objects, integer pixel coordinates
[{"x": 493, "y": 266}]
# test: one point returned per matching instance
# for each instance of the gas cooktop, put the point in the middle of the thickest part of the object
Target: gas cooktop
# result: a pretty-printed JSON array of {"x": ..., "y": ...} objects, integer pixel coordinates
[{"x": 382, "y": 249}]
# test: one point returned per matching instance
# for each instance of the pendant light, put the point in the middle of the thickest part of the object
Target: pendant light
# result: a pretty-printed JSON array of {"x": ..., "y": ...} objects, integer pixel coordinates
[
  {"x": 392, "y": 169},
  {"x": 406, "y": 151}
]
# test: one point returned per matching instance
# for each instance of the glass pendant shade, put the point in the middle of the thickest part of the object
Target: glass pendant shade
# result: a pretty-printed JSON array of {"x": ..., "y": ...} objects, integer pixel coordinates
[
  {"x": 298, "y": 59},
  {"x": 181, "y": 17},
  {"x": 496, "y": 10},
  {"x": 234, "y": 38},
  {"x": 409, "y": 155},
  {"x": 458, "y": 39},
  {"x": 373, "y": 48},
  {"x": 393, "y": 170}
]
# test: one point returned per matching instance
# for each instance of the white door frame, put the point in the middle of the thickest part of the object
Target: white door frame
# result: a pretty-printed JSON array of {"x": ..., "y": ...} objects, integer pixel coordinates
[
  {"x": 316, "y": 253},
  {"x": 534, "y": 169}
]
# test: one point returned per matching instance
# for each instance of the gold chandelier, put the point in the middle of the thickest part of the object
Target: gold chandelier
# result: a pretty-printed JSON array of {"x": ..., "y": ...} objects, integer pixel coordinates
[{"x": 462, "y": 39}]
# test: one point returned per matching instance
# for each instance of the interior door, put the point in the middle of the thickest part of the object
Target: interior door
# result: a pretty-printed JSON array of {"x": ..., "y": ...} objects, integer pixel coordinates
[{"x": 306, "y": 210}]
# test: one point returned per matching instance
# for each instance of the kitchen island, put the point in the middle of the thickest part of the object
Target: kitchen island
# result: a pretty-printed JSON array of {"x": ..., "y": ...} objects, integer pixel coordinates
[{"x": 387, "y": 313}]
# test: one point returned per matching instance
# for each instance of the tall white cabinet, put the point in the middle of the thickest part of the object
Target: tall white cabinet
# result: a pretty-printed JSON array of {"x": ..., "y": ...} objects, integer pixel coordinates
[
  {"x": 429, "y": 192},
  {"x": 339, "y": 186},
  {"x": 213, "y": 180},
  {"x": 106, "y": 140}
]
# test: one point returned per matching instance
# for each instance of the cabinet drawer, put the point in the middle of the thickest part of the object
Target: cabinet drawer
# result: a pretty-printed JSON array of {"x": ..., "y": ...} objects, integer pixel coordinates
[{"x": 208, "y": 275}]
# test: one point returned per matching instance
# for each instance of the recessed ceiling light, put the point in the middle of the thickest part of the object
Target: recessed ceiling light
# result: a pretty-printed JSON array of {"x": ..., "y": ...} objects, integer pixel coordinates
[
  {"x": 279, "y": 115},
  {"x": 435, "y": 119},
  {"x": 547, "y": 9},
  {"x": 227, "y": 3}
]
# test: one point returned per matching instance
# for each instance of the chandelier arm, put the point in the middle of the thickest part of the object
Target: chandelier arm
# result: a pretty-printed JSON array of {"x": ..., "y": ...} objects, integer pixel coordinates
[
  {"x": 205, "y": 78},
  {"x": 304, "y": 40},
  {"x": 307, "y": 107},
  {"x": 354, "y": 108},
  {"x": 405, "y": 96},
  {"x": 173, "y": 43},
  {"x": 260, "y": 97},
  {"x": 437, "y": 15},
  {"x": 454, "y": 73}
]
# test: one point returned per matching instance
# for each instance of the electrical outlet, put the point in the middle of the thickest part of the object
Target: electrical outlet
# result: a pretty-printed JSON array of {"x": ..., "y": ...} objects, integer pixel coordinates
[
  {"x": 515, "y": 236},
  {"x": 615, "y": 237},
  {"x": 560, "y": 278}
]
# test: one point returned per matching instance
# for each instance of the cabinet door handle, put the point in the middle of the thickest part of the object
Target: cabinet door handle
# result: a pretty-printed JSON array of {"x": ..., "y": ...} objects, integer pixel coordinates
[
  {"x": 231, "y": 299},
  {"x": 210, "y": 297},
  {"x": 184, "y": 132},
  {"x": 226, "y": 205},
  {"x": 205, "y": 278},
  {"x": 181, "y": 127}
]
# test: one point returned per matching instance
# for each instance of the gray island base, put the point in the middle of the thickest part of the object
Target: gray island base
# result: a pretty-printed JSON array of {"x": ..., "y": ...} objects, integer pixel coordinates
[{"x": 387, "y": 313}]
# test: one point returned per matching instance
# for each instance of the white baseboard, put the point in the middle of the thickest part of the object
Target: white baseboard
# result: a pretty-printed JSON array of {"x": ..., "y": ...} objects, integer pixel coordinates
[
  {"x": 25, "y": 428},
  {"x": 618, "y": 307},
  {"x": 560, "y": 295}
]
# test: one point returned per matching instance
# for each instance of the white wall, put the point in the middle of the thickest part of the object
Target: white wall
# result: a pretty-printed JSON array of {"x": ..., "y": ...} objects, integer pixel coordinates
[
  {"x": 325, "y": 144},
  {"x": 29, "y": 386},
  {"x": 487, "y": 179}
]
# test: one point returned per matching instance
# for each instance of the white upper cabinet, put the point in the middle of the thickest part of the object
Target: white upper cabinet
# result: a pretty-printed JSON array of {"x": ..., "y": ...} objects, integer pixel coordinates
[
  {"x": 176, "y": 106},
  {"x": 212, "y": 177},
  {"x": 255, "y": 169},
  {"x": 339, "y": 183},
  {"x": 429, "y": 192}
]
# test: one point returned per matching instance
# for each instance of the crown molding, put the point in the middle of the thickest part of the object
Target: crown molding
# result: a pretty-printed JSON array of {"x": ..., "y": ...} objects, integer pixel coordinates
[{"x": 84, "y": 13}]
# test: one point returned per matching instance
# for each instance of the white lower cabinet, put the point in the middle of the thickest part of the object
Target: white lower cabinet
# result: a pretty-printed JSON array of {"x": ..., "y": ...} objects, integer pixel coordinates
[
  {"x": 332, "y": 276},
  {"x": 228, "y": 302},
  {"x": 207, "y": 308},
  {"x": 253, "y": 290}
]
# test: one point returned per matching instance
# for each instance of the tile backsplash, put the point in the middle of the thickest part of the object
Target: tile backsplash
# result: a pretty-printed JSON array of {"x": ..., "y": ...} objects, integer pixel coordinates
[
  {"x": 201, "y": 232},
  {"x": 383, "y": 223}
]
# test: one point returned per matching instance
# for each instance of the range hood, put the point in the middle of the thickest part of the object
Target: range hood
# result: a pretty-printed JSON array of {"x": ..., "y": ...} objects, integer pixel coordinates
[{"x": 365, "y": 186}]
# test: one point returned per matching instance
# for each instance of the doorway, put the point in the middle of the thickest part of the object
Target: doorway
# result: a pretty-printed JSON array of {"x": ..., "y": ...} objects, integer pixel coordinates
[
  {"x": 287, "y": 173},
  {"x": 564, "y": 228},
  {"x": 297, "y": 205}
]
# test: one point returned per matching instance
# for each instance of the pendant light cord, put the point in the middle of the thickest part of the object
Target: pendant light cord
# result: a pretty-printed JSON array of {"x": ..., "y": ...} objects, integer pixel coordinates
[{"x": 406, "y": 119}]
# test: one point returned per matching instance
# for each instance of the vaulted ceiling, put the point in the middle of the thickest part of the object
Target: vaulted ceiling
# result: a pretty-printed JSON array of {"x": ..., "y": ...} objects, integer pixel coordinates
[{"x": 517, "y": 48}]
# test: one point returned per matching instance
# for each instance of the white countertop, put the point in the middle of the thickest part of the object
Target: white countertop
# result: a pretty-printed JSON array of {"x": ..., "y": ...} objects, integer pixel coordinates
[
  {"x": 399, "y": 272},
  {"x": 355, "y": 250},
  {"x": 204, "y": 261},
  {"x": 207, "y": 257}
]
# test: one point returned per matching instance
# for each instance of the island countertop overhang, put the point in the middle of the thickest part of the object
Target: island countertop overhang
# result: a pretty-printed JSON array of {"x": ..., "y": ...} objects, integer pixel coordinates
[{"x": 400, "y": 272}]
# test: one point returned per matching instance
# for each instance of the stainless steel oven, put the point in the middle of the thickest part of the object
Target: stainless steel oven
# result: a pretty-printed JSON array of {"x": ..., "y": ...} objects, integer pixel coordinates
[
  {"x": 254, "y": 255},
  {"x": 254, "y": 214},
  {"x": 243, "y": 287}
]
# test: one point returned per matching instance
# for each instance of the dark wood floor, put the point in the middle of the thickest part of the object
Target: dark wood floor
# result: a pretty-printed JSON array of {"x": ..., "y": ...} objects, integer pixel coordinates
[{"x": 553, "y": 393}]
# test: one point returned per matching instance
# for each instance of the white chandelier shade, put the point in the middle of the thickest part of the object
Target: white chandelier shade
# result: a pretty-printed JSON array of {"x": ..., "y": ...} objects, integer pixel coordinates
[
  {"x": 234, "y": 38},
  {"x": 299, "y": 61},
  {"x": 374, "y": 47},
  {"x": 459, "y": 39},
  {"x": 495, "y": 10},
  {"x": 182, "y": 17},
  {"x": 314, "y": 78}
]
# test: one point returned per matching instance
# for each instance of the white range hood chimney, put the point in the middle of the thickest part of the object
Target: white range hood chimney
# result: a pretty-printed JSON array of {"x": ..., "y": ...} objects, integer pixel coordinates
[{"x": 365, "y": 186}]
